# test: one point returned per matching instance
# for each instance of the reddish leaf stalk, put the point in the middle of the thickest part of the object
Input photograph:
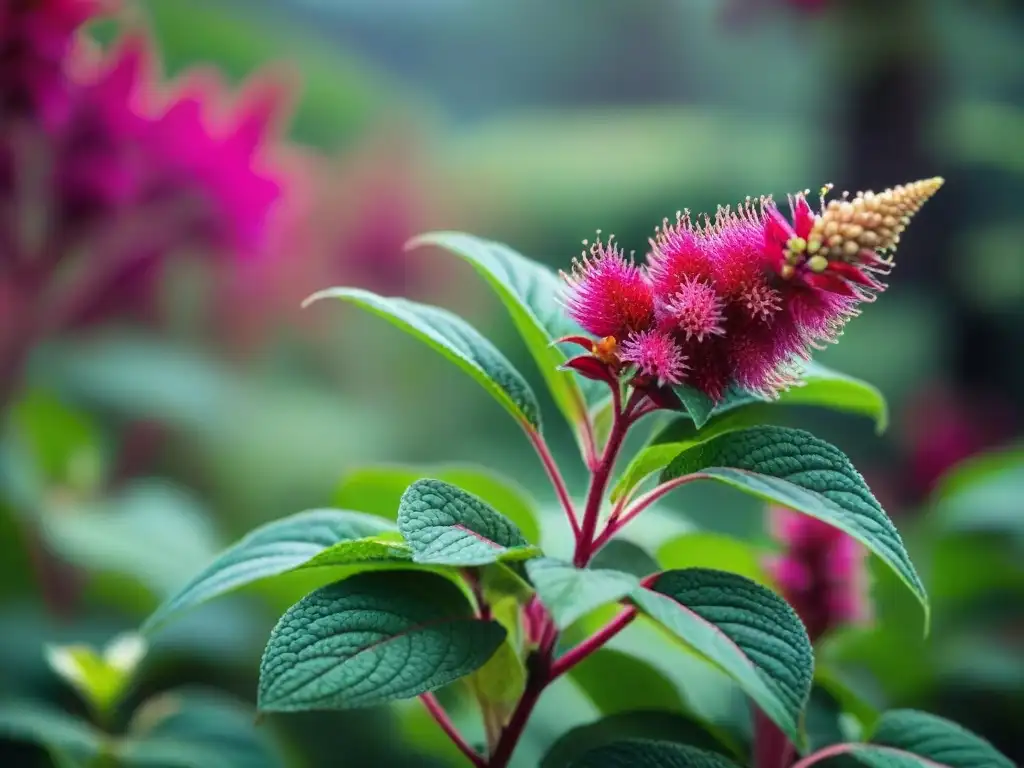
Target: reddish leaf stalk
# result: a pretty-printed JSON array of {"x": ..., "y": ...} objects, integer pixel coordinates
[
  {"x": 555, "y": 475},
  {"x": 617, "y": 522},
  {"x": 438, "y": 713},
  {"x": 571, "y": 658},
  {"x": 585, "y": 541}
]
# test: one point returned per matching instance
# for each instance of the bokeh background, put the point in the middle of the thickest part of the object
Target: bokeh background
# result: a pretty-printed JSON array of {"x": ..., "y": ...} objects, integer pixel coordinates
[{"x": 189, "y": 398}]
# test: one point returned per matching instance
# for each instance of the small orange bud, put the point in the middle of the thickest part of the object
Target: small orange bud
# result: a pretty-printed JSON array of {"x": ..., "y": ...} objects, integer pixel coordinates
[{"x": 607, "y": 350}]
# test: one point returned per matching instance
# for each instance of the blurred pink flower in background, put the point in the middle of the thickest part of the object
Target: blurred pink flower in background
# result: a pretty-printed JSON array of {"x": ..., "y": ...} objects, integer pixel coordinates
[
  {"x": 821, "y": 571},
  {"x": 36, "y": 37},
  {"x": 347, "y": 221},
  {"x": 942, "y": 427},
  {"x": 106, "y": 173}
]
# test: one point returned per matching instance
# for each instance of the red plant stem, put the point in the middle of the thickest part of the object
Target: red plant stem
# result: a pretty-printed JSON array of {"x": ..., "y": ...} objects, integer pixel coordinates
[
  {"x": 542, "y": 669},
  {"x": 573, "y": 657},
  {"x": 642, "y": 503},
  {"x": 437, "y": 712},
  {"x": 599, "y": 481},
  {"x": 538, "y": 678},
  {"x": 555, "y": 475},
  {"x": 590, "y": 458}
]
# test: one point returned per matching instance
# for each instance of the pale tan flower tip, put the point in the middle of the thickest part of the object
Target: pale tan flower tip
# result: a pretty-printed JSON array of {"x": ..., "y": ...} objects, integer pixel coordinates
[{"x": 868, "y": 221}]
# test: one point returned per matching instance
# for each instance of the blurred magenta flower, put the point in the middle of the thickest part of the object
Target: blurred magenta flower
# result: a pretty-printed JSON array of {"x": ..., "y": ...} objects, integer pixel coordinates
[
  {"x": 107, "y": 173},
  {"x": 942, "y": 427},
  {"x": 36, "y": 37},
  {"x": 739, "y": 300},
  {"x": 820, "y": 570}
]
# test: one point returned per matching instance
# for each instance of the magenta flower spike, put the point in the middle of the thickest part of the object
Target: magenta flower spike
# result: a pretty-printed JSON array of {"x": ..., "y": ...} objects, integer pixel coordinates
[
  {"x": 741, "y": 299},
  {"x": 609, "y": 296},
  {"x": 220, "y": 159},
  {"x": 821, "y": 572}
]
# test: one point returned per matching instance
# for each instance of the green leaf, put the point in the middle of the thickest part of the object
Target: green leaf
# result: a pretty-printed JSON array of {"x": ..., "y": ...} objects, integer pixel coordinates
[
  {"x": 444, "y": 525},
  {"x": 678, "y": 436},
  {"x": 983, "y": 494},
  {"x": 501, "y": 681},
  {"x": 935, "y": 739},
  {"x": 101, "y": 678},
  {"x": 650, "y": 724},
  {"x": 827, "y": 388},
  {"x": 378, "y": 490},
  {"x": 40, "y": 724},
  {"x": 713, "y": 550},
  {"x": 622, "y": 555},
  {"x": 152, "y": 532},
  {"x": 570, "y": 593},
  {"x": 454, "y": 339},
  {"x": 698, "y": 405},
  {"x": 645, "y": 753},
  {"x": 745, "y": 629},
  {"x": 62, "y": 444},
  {"x": 530, "y": 293},
  {"x": 196, "y": 728},
  {"x": 373, "y": 638},
  {"x": 793, "y": 468},
  {"x": 281, "y": 546},
  {"x": 618, "y": 682},
  {"x": 822, "y": 387}
]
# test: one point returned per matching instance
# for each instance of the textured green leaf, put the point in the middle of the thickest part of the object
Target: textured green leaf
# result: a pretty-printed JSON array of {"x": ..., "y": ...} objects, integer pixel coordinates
[
  {"x": 793, "y": 468},
  {"x": 935, "y": 739},
  {"x": 278, "y": 547},
  {"x": 650, "y": 724},
  {"x": 379, "y": 488},
  {"x": 570, "y": 593},
  {"x": 695, "y": 403},
  {"x": 196, "y": 728},
  {"x": 530, "y": 293},
  {"x": 444, "y": 525},
  {"x": 373, "y": 638},
  {"x": 745, "y": 629},
  {"x": 713, "y": 550},
  {"x": 40, "y": 724},
  {"x": 455, "y": 339},
  {"x": 645, "y": 753}
]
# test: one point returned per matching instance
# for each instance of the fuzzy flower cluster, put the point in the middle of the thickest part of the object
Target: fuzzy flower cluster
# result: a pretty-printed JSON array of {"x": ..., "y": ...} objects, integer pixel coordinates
[
  {"x": 821, "y": 572},
  {"x": 101, "y": 163},
  {"x": 740, "y": 299}
]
